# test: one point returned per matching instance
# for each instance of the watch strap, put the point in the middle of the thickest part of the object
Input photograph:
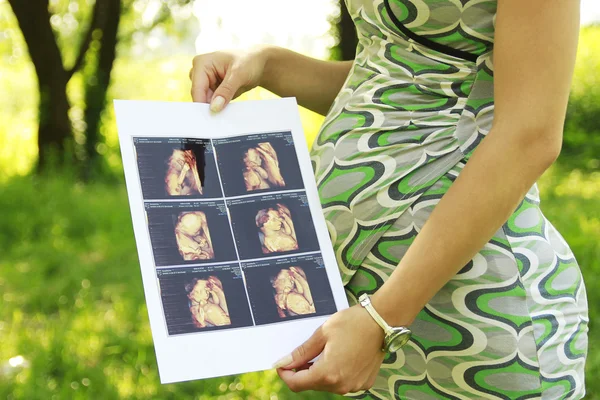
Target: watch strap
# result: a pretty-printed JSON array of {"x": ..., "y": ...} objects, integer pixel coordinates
[{"x": 365, "y": 301}]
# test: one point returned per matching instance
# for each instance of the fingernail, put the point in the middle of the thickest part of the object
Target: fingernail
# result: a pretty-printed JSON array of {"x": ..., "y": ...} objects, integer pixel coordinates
[
  {"x": 284, "y": 361},
  {"x": 217, "y": 104}
]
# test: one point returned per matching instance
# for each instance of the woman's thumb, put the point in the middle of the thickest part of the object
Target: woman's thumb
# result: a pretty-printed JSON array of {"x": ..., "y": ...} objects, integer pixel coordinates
[
  {"x": 303, "y": 353},
  {"x": 225, "y": 92}
]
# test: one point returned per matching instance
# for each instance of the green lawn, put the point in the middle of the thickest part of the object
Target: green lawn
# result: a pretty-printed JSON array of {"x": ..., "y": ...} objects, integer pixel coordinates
[{"x": 73, "y": 306}]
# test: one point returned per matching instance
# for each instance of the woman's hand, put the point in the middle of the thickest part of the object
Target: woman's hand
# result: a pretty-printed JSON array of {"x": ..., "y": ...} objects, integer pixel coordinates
[
  {"x": 350, "y": 346},
  {"x": 219, "y": 77}
]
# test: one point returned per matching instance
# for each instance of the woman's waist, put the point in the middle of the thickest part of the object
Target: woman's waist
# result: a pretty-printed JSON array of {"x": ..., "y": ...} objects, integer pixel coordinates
[
  {"x": 396, "y": 102},
  {"x": 378, "y": 185},
  {"x": 401, "y": 112},
  {"x": 377, "y": 127},
  {"x": 382, "y": 78},
  {"x": 404, "y": 116}
]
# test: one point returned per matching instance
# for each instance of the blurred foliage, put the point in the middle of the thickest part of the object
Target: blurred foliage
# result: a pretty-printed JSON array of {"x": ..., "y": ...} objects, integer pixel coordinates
[
  {"x": 82, "y": 33},
  {"x": 138, "y": 18},
  {"x": 570, "y": 199},
  {"x": 344, "y": 33},
  {"x": 582, "y": 138},
  {"x": 164, "y": 77}
]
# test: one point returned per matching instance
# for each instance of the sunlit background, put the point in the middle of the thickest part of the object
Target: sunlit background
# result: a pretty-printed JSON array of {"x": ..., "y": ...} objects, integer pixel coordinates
[
  {"x": 73, "y": 322},
  {"x": 202, "y": 26}
]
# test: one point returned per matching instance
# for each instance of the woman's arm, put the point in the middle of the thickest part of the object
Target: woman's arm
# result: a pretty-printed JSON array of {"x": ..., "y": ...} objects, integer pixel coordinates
[
  {"x": 315, "y": 83},
  {"x": 219, "y": 77},
  {"x": 534, "y": 56}
]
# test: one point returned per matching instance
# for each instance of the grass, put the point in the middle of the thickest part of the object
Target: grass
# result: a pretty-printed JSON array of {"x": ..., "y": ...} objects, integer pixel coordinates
[{"x": 73, "y": 305}]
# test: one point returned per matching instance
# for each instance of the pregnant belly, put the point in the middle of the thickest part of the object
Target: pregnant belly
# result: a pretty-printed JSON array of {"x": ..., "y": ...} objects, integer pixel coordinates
[
  {"x": 408, "y": 115},
  {"x": 365, "y": 158},
  {"x": 386, "y": 141},
  {"x": 372, "y": 164}
]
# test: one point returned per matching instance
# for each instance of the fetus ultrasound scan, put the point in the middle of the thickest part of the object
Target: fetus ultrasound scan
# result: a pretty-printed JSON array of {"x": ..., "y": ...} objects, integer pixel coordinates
[
  {"x": 203, "y": 298},
  {"x": 292, "y": 292},
  {"x": 189, "y": 232},
  {"x": 208, "y": 306},
  {"x": 272, "y": 224},
  {"x": 258, "y": 163},
  {"x": 276, "y": 229},
  {"x": 193, "y": 236},
  {"x": 182, "y": 177},
  {"x": 288, "y": 288},
  {"x": 261, "y": 168},
  {"x": 177, "y": 168}
]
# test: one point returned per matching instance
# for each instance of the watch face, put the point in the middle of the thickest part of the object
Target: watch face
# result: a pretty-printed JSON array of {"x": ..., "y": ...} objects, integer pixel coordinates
[{"x": 397, "y": 339}]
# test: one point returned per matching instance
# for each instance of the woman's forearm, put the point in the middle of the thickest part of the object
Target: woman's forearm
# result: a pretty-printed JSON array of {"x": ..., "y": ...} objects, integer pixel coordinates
[
  {"x": 526, "y": 135},
  {"x": 488, "y": 190},
  {"x": 315, "y": 83}
]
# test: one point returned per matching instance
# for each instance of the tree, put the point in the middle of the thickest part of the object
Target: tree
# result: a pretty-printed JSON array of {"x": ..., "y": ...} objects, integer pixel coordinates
[
  {"x": 55, "y": 129},
  {"x": 345, "y": 32},
  {"x": 97, "y": 88},
  {"x": 100, "y": 38}
]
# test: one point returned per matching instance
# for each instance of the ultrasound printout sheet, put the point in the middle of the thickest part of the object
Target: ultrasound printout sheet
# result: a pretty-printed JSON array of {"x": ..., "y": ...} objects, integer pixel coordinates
[{"x": 237, "y": 265}]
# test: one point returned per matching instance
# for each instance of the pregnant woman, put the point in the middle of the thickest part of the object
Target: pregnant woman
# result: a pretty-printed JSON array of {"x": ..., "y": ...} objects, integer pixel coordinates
[{"x": 426, "y": 166}]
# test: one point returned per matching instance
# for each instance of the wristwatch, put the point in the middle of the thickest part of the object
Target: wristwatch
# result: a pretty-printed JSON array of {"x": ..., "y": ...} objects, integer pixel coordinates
[{"x": 395, "y": 337}]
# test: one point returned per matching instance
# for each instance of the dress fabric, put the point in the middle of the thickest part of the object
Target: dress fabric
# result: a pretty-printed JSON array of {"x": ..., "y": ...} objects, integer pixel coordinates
[{"x": 513, "y": 323}]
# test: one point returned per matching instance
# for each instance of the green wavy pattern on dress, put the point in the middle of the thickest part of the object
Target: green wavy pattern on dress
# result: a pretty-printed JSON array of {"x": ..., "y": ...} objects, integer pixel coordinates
[
  {"x": 513, "y": 323},
  {"x": 466, "y": 25},
  {"x": 525, "y": 380},
  {"x": 350, "y": 179}
]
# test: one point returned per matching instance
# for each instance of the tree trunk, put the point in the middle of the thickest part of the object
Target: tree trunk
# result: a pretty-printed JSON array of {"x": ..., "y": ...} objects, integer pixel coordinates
[
  {"x": 347, "y": 34},
  {"x": 97, "y": 86},
  {"x": 55, "y": 126}
]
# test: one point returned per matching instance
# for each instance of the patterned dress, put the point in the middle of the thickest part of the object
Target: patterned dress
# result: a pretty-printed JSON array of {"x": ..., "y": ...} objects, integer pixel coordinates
[{"x": 512, "y": 324}]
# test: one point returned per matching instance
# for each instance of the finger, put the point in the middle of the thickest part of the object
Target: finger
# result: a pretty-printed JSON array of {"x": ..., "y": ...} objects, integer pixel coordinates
[
  {"x": 226, "y": 91},
  {"x": 200, "y": 85},
  {"x": 303, "y": 367},
  {"x": 304, "y": 353},
  {"x": 306, "y": 379}
]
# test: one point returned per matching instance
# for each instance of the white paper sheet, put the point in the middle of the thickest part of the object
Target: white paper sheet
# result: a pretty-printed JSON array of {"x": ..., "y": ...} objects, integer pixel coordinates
[{"x": 200, "y": 243}]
